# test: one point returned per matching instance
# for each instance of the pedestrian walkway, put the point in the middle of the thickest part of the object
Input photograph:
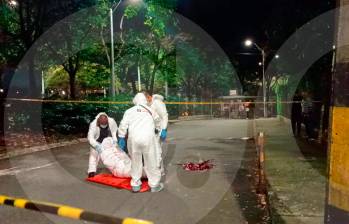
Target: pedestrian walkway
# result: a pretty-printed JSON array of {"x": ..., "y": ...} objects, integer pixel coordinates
[{"x": 296, "y": 173}]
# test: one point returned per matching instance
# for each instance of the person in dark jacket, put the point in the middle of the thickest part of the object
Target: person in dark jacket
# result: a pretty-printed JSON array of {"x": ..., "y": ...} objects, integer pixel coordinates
[
  {"x": 307, "y": 113},
  {"x": 296, "y": 114}
]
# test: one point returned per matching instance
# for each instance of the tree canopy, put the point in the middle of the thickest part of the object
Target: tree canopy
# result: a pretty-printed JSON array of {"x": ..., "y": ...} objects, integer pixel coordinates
[{"x": 76, "y": 55}]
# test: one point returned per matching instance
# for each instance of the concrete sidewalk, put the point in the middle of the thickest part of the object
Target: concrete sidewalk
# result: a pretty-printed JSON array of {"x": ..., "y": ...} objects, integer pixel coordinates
[
  {"x": 9, "y": 151},
  {"x": 296, "y": 173}
]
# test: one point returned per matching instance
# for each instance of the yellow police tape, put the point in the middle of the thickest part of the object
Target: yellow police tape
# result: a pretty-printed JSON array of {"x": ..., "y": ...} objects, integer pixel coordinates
[
  {"x": 129, "y": 102},
  {"x": 20, "y": 203},
  {"x": 134, "y": 221},
  {"x": 67, "y": 211}
]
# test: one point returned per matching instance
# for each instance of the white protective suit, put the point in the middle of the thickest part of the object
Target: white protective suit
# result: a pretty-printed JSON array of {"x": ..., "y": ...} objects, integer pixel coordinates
[
  {"x": 93, "y": 135},
  {"x": 159, "y": 107},
  {"x": 140, "y": 122},
  {"x": 116, "y": 160}
]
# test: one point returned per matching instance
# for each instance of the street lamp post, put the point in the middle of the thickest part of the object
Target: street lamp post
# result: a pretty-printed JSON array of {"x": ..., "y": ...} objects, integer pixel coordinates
[
  {"x": 112, "y": 52},
  {"x": 42, "y": 84},
  {"x": 111, "y": 10},
  {"x": 249, "y": 43},
  {"x": 264, "y": 86},
  {"x": 139, "y": 78}
]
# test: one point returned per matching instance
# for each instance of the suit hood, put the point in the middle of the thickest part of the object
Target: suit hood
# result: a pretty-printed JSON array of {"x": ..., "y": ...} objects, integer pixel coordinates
[
  {"x": 158, "y": 97},
  {"x": 140, "y": 99},
  {"x": 102, "y": 113}
]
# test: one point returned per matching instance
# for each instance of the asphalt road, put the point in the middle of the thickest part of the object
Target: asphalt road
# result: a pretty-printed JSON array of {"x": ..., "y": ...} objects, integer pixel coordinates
[{"x": 58, "y": 175}]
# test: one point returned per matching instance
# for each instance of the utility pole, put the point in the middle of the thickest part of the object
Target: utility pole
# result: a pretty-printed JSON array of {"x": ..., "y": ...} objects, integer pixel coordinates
[
  {"x": 111, "y": 11},
  {"x": 112, "y": 52},
  {"x": 337, "y": 206},
  {"x": 264, "y": 84},
  {"x": 249, "y": 43},
  {"x": 139, "y": 78},
  {"x": 42, "y": 84}
]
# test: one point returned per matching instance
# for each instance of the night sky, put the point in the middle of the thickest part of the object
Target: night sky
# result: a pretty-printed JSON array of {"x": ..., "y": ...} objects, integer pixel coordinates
[
  {"x": 225, "y": 20},
  {"x": 229, "y": 22}
]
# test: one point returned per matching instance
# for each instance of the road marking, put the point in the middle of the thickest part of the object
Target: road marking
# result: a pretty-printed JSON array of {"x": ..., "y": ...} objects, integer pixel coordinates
[
  {"x": 246, "y": 138},
  {"x": 16, "y": 170},
  {"x": 9, "y": 169}
]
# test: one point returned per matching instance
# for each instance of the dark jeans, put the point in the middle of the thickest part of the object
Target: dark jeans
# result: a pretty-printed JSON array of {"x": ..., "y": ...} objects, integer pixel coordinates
[
  {"x": 296, "y": 122},
  {"x": 308, "y": 125}
]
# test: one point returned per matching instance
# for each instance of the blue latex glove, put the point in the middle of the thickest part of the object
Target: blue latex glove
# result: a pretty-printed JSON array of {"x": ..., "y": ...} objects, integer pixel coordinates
[
  {"x": 98, "y": 148},
  {"x": 163, "y": 134},
  {"x": 122, "y": 144}
]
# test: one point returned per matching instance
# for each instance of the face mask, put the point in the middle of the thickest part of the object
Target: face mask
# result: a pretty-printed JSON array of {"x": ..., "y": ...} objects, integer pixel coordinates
[{"x": 104, "y": 126}]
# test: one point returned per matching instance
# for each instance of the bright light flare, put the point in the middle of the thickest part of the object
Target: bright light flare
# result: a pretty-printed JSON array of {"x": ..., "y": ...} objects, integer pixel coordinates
[
  {"x": 248, "y": 43},
  {"x": 13, "y": 3},
  {"x": 135, "y": 1}
]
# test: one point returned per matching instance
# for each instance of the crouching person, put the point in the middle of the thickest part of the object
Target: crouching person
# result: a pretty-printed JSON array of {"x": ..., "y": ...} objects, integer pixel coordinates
[
  {"x": 140, "y": 122},
  {"x": 100, "y": 128}
]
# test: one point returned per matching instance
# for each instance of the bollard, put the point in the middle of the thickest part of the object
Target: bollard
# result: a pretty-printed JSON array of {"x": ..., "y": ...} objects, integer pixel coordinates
[{"x": 261, "y": 167}]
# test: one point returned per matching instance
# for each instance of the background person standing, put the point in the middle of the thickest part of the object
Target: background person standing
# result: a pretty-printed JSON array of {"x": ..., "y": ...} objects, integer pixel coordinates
[
  {"x": 158, "y": 105},
  {"x": 296, "y": 114},
  {"x": 307, "y": 109}
]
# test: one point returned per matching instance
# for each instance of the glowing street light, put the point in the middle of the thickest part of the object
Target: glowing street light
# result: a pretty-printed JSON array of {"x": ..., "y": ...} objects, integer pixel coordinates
[
  {"x": 250, "y": 43},
  {"x": 135, "y": 1},
  {"x": 13, "y": 3},
  {"x": 260, "y": 63},
  {"x": 277, "y": 56}
]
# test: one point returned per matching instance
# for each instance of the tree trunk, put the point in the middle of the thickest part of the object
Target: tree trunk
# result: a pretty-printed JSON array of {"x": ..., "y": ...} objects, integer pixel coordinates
[
  {"x": 130, "y": 78},
  {"x": 117, "y": 90},
  {"x": 188, "y": 90},
  {"x": 152, "y": 79},
  {"x": 147, "y": 76},
  {"x": 7, "y": 72},
  {"x": 32, "y": 87},
  {"x": 156, "y": 64},
  {"x": 71, "y": 68},
  {"x": 134, "y": 87},
  {"x": 105, "y": 48},
  {"x": 72, "y": 85}
]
